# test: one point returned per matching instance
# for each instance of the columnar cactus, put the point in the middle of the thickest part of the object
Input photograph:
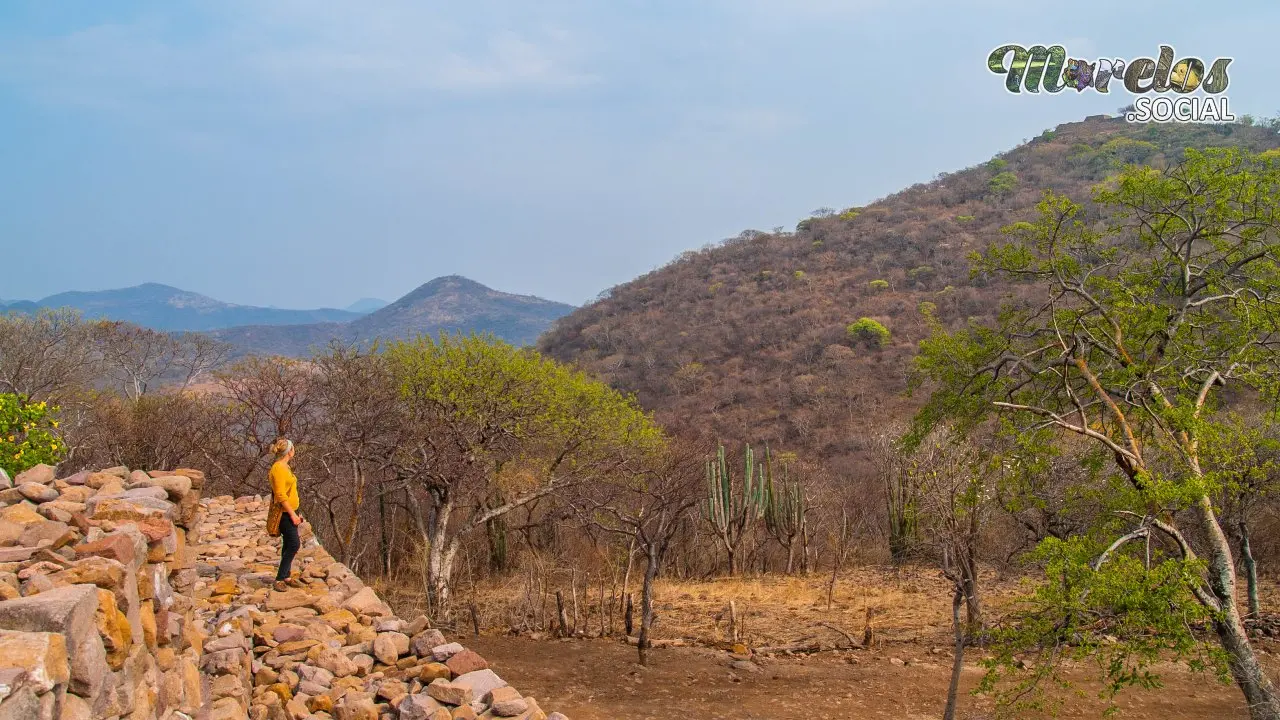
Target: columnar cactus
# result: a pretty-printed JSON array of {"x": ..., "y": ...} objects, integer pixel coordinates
[
  {"x": 785, "y": 508},
  {"x": 732, "y": 507}
]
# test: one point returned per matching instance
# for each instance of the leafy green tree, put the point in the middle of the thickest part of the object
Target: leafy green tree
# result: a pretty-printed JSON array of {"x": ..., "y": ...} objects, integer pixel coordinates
[
  {"x": 28, "y": 434},
  {"x": 868, "y": 331},
  {"x": 1244, "y": 456},
  {"x": 487, "y": 419},
  {"x": 1143, "y": 322},
  {"x": 1003, "y": 183}
]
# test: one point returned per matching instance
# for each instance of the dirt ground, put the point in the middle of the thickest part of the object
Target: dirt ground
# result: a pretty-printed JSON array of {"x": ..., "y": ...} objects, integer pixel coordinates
[
  {"x": 600, "y": 680},
  {"x": 904, "y": 675}
]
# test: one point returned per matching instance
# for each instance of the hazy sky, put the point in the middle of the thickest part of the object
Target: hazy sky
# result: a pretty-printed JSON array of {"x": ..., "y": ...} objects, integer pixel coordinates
[{"x": 302, "y": 153}]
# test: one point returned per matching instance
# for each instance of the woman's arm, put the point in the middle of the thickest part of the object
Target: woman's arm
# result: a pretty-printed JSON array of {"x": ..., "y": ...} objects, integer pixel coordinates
[{"x": 293, "y": 486}]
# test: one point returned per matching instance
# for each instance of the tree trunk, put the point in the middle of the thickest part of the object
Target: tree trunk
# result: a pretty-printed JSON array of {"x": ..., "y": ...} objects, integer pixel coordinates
[
  {"x": 1259, "y": 692},
  {"x": 626, "y": 576},
  {"x": 791, "y": 555},
  {"x": 440, "y": 556},
  {"x": 563, "y": 630},
  {"x": 646, "y": 604},
  {"x": 382, "y": 522},
  {"x": 957, "y": 662},
  {"x": 972, "y": 601},
  {"x": 1250, "y": 569}
]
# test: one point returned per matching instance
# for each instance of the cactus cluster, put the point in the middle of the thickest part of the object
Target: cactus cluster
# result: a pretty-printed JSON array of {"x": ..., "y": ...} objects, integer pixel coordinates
[{"x": 733, "y": 505}]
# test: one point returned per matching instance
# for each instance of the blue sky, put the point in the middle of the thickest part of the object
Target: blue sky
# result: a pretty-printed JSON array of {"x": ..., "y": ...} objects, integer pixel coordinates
[{"x": 300, "y": 153}]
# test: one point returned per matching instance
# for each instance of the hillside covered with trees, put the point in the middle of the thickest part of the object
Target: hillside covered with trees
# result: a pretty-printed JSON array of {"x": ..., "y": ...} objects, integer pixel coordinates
[{"x": 803, "y": 338}]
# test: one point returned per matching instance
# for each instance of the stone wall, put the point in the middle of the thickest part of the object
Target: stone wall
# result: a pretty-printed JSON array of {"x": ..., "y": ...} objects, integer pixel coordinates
[{"x": 124, "y": 595}]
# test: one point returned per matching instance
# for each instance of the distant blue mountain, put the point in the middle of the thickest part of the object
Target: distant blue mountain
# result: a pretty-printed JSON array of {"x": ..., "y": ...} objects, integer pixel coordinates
[
  {"x": 162, "y": 307},
  {"x": 446, "y": 304},
  {"x": 364, "y": 306}
]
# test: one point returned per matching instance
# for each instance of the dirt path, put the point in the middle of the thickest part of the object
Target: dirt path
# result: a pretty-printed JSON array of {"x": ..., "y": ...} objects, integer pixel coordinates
[{"x": 600, "y": 680}]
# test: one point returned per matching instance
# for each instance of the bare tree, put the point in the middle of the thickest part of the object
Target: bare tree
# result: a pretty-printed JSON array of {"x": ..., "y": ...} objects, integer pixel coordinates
[
  {"x": 358, "y": 424},
  {"x": 46, "y": 356},
  {"x": 647, "y": 507},
  {"x": 952, "y": 474},
  {"x": 266, "y": 398}
]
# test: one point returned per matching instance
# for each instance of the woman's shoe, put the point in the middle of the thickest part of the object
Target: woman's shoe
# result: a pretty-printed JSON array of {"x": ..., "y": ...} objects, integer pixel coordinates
[
  {"x": 295, "y": 581},
  {"x": 280, "y": 586}
]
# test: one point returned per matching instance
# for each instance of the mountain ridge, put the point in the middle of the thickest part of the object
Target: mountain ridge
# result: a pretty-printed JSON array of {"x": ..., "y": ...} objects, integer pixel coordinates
[
  {"x": 451, "y": 303},
  {"x": 164, "y": 307},
  {"x": 751, "y": 338}
]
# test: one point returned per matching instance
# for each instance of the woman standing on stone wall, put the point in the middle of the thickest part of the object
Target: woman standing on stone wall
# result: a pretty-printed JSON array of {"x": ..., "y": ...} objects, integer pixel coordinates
[{"x": 283, "y": 519}]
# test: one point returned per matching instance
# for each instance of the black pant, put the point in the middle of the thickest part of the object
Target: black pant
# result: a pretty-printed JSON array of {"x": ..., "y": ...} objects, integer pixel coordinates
[{"x": 289, "y": 547}]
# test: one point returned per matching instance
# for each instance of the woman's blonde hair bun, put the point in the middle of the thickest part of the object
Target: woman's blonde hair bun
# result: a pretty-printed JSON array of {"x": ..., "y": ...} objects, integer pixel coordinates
[{"x": 281, "y": 447}]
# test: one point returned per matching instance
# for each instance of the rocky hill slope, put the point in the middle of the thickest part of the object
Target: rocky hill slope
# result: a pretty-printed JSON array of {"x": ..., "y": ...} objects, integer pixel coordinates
[{"x": 750, "y": 338}]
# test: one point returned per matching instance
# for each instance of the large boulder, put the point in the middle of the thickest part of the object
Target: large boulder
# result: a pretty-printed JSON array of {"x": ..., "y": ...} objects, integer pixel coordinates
[
  {"x": 480, "y": 682},
  {"x": 420, "y": 707},
  {"x": 37, "y": 492},
  {"x": 127, "y": 546},
  {"x": 110, "y": 575},
  {"x": 48, "y": 533},
  {"x": 425, "y": 641},
  {"x": 367, "y": 602},
  {"x": 69, "y": 611},
  {"x": 42, "y": 474},
  {"x": 41, "y": 655},
  {"x": 24, "y": 513},
  {"x": 175, "y": 486},
  {"x": 123, "y": 507},
  {"x": 450, "y": 693}
]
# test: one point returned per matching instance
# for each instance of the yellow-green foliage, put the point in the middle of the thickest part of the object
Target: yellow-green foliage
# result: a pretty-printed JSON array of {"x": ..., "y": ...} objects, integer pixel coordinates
[
  {"x": 488, "y": 386},
  {"x": 851, "y": 213},
  {"x": 869, "y": 332},
  {"x": 28, "y": 435},
  {"x": 878, "y": 285},
  {"x": 1002, "y": 183},
  {"x": 1128, "y": 150}
]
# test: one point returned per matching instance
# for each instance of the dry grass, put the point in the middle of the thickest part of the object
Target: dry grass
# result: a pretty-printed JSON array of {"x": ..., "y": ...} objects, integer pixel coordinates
[{"x": 911, "y": 604}]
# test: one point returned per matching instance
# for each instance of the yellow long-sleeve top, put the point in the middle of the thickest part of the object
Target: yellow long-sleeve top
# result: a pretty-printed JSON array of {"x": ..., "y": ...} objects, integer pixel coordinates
[{"x": 284, "y": 486}]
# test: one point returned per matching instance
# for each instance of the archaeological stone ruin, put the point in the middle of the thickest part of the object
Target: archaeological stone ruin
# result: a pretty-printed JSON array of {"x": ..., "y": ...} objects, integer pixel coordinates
[{"x": 124, "y": 594}]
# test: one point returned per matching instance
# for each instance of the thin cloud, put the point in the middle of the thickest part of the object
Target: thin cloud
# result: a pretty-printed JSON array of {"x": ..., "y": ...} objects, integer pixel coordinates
[{"x": 301, "y": 54}]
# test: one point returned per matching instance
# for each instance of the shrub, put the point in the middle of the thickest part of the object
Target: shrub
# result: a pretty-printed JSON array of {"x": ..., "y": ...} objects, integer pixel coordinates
[
  {"x": 850, "y": 213},
  {"x": 868, "y": 332},
  {"x": 997, "y": 164},
  {"x": 878, "y": 285},
  {"x": 27, "y": 435},
  {"x": 964, "y": 218},
  {"x": 1002, "y": 183},
  {"x": 1128, "y": 150}
]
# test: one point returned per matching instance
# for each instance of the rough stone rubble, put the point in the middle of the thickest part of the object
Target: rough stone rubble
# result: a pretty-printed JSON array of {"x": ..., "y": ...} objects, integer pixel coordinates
[{"x": 124, "y": 595}]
